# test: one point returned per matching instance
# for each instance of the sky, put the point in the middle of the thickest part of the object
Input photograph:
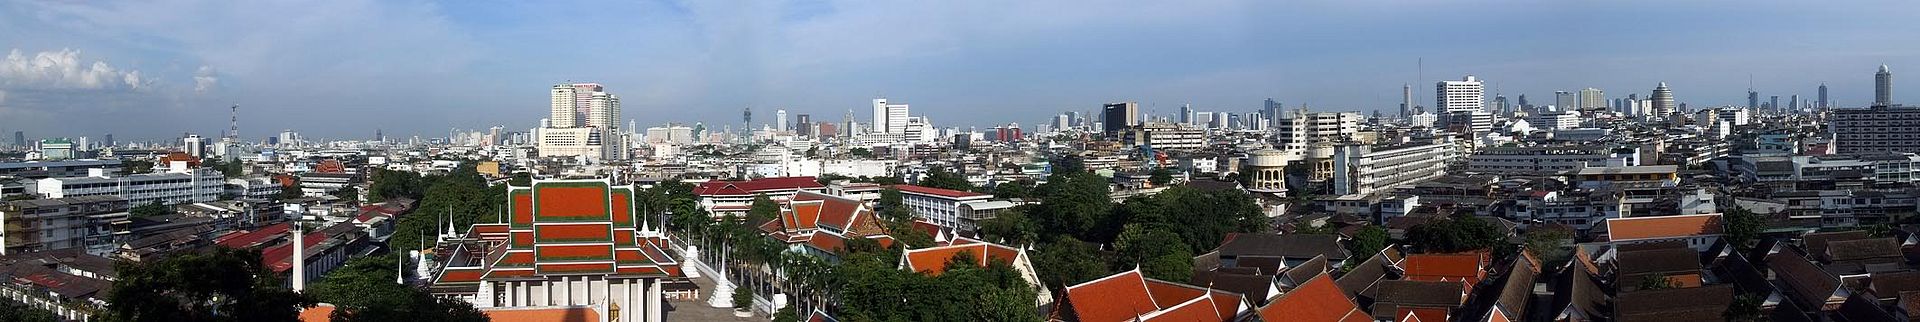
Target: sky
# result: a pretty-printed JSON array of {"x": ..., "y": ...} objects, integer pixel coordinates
[{"x": 346, "y": 68}]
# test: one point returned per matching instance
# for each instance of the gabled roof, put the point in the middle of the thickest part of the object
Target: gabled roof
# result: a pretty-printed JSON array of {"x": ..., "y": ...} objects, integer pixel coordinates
[
  {"x": 1423, "y": 293},
  {"x": 1290, "y": 246},
  {"x": 755, "y": 186},
  {"x": 1664, "y": 227},
  {"x": 1364, "y": 277},
  {"x": 1859, "y": 249},
  {"x": 1469, "y": 267},
  {"x": 1130, "y": 296},
  {"x": 933, "y": 260},
  {"x": 1318, "y": 299},
  {"x": 1816, "y": 242},
  {"x": 1705, "y": 303},
  {"x": 1518, "y": 286},
  {"x": 1658, "y": 261},
  {"x": 1813, "y": 285}
]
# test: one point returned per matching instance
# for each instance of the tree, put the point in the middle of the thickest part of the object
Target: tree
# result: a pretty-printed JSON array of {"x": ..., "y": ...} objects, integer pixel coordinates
[
  {"x": 1743, "y": 226},
  {"x": 349, "y": 193},
  {"x": 222, "y": 285},
  {"x": 762, "y": 210},
  {"x": 151, "y": 209},
  {"x": 939, "y": 177},
  {"x": 388, "y": 184},
  {"x": 1010, "y": 227},
  {"x": 1014, "y": 189},
  {"x": 860, "y": 152},
  {"x": 1069, "y": 261},
  {"x": 138, "y": 166},
  {"x": 1455, "y": 235},
  {"x": 1657, "y": 282},
  {"x": 1370, "y": 239},
  {"x": 1157, "y": 251},
  {"x": 742, "y": 298},
  {"x": 364, "y": 290},
  {"x": 1551, "y": 244},
  {"x": 1745, "y": 308},
  {"x": 1160, "y": 177},
  {"x": 893, "y": 207},
  {"x": 11, "y": 311}
]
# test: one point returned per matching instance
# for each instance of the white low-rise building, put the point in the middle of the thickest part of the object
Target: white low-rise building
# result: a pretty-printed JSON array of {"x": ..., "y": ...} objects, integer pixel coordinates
[{"x": 178, "y": 185}]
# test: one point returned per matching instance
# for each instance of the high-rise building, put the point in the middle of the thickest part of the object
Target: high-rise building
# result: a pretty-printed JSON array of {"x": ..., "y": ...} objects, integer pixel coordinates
[
  {"x": 20, "y": 139},
  {"x": 1592, "y": 99},
  {"x": 1186, "y": 114},
  {"x": 1663, "y": 100},
  {"x": 584, "y": 120},
  {"x": 1773, "y": 102},
  {"x": 1564, "y": 101},
  {"x": 780, "y": 120},
  {"x": 108, "y": 143},
  {"x": 803, "y": 123},
  {"x": 1753, "y": 99},
  {"x": 1463, "y": 95},
  {"x": 1822, "y": 103},
  {"x": 1882, "y": 128},
  {"x": 1270, "y": 108},
  {"x": 194, "y": 145},
  {"x": 889, "y": 118},
  {"x": 1500, "y": 104},
  {"x": 1793, "y": 104},
  {"x": 1883, "y": 87},
  {"x": 1406, "y": 100},
  {"x": 1118, "y": 116},
  {"x": 1062, "y": 122}
]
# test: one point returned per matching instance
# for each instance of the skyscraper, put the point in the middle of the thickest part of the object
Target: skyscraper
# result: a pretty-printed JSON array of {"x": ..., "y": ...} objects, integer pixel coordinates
[
  {"x": 1592, "y": 99},
  {"x": 1822, "y": 103},
  {"x": 780, "y": 120},
  {"x": 20, "y": 139},
  {"x": 1793, "y": 104},
  {"x": 108, "y": 142},
  {"x": 889, "y": 118},
  {"x": 1563, "y": 101},
  {"x": 1663, "y": 100},
  {"x": 571, "y": 104},
  {"x": 1883, "y": 87},
  {"x": 804, "y": 124},
  {"x": 584, "y": 120},
  {"x": 1118, "y": 117},
  {"x": 1773, "y": 102},
  {"x": 1406, "y": 100},
  {"x": 1753, "y": 98},
  {"x": 1186, "y": 115},
  {"x": 1271, "y": 107},
  {"x": 1463, "y": 95}
]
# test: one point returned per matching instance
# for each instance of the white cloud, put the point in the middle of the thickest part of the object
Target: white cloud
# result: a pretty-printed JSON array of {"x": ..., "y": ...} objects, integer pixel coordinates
[
  {"x": 64, "y": 69},
  {"x": 205, "y": 79}
]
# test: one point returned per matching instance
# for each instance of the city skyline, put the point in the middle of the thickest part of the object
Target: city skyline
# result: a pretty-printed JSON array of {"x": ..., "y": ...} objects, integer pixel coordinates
[{"x": 427, "y": 67}]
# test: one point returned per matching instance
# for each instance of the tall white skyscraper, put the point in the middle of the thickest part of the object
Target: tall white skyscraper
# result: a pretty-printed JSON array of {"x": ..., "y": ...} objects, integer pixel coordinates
[
  {"x": 1465, "y": 95},
  {"x": 780, "y": 120},
  {"x": 584, "y": 120},
  {"x": 889, "y": 118},
  {"x": 1663, "y": 101}
]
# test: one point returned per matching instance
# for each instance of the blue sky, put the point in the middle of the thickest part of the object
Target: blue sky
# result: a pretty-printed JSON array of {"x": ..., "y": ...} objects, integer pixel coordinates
[{"x": 341, "y": 69}]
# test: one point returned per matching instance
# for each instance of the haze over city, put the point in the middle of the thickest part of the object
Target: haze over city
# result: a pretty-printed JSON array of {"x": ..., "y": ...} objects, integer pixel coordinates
[{"x": 342, "y": 69}]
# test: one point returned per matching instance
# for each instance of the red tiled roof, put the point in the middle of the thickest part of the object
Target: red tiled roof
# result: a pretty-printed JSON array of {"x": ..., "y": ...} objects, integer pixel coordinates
[
  {"x": 1664, "y": 227},
  {"x": 933, "y": 260},
  {"x": 949, "y": 193},
  {"x": 1200, "y": 308},
  {"x": 318, "y": 313},
  {"x": 749, "y": 187},
  {"x": 566, "y": 314},
  {"x": 1319, "y": 299},
  {"x": 1120, "y": 297},
  {"x": 278, "y": 257},
  {"x": 1468, "y": 267},
  {"x": 253, "y": 238}
]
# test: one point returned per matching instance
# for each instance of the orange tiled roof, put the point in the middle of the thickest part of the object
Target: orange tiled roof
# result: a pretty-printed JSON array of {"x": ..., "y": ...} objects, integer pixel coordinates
[
  {"x": 1664, "y": 227},
  {"x": 565, "y": 314},
  {"x": 933, "y": 260},
  {"x": 1120, "y": 297},
  {"x": 318, "y": 313},
  {"x": 1319, "y": 299},
  {"x": 1468, "y": 267}
]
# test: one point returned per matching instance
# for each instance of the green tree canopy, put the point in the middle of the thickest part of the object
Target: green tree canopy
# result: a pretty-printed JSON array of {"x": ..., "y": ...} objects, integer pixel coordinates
[
  {"x": 1370, "y": 239},
  {"x": 151, "y": 209},
  {"x": 939, "y": 177},
  {"x": 762, "y": 210},
  {"x": 1160, "y": 177},
  {"x": 1455, "y": 235},
  {"x": 893, "y": 207},
  {"x": 222, "y": 285},
  {"x": 364, "y": 290}
]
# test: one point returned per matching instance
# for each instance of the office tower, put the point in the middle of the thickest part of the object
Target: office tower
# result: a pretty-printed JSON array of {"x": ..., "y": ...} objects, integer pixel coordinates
[
  {"x": 1186, "y": 114},
  {"x": 1793, "y": 104},
  {"x": 1523, "y": 102},
  {"x": 1063, "y": 122},
  {"x": 1118, "y": 117},
  {"x": 194, "y": 145},
  {"x": 571, "y": 104},
  {"x": 583, "y": 121},
  {"x": 1883, "y": 87},
  {"x": 20, "y": 139},
  {"x": 1822, "y": 103},
  {"x": 1592, "y": 99},
  {"x": 1773, "y": 102},
  {"x": 1406, "y": 100},
  {"x": 1563, "y": 101},
  {"x": 803, "y": 123},
  {"x": 780, "y": 120},
  {"x": 889, "y": 118},
  {"x": 1463, "y": 95},
  {"x": 108, "y": 142},
  {"x": 1753, "y": 99},
  {"x": 1500, "y": 103},
  {"x": 1663, "y": 100},
  {"x": 1271, "y": 107}
]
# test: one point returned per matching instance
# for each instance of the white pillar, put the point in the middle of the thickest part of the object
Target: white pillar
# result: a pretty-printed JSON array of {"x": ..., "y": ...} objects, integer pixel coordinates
[
  {"x": 299, "y": 257},
  {"x": 654, "y": 310}
]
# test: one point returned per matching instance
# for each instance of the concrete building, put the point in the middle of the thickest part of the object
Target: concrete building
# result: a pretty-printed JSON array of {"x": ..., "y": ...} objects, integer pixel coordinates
[
  {"x": 1546, "y": 160},
  {"x": 179, "y": 185},
  {"x": 1165, "y": 136},
  {"x": 63, "y": 168},
  {"x": 57, "y": 149},
  {"x": 889, "y": 118},
  {"x": 584, "y": 120},
  {"x": 1555, "y": 121},
  {"x": 58, "y": 223},
  {"x": 1268, "y": 170},
  {"x": 1592, "y": 99},
  {"x": 253, "y": 188},
  {"x": 1882, "y": 87},
  {"x": 722, "y": 198},
  {"x": 1663, "y": 100},
  {"x": 939, "y": 206},
  {"x": 1300, "y": 128},
  {"x": 1363, "y": 169},
  {"x": 1463, "y": 95},
  {"x": 1117, "y": 117},
  {"x": 1876, "y": 129}
]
